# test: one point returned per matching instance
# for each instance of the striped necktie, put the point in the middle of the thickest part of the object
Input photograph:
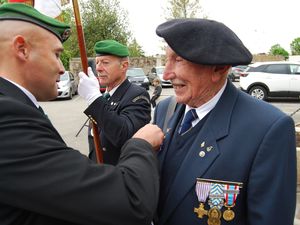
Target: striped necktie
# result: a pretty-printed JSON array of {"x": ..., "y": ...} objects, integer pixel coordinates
[{"x": 189, "y": 117}]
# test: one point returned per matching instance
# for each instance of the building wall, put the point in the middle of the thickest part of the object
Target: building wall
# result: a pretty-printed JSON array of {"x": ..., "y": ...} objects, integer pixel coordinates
[{"x": 144, "y": 62}]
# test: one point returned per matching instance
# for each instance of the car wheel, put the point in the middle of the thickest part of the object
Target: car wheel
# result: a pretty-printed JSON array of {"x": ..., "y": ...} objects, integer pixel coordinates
[
  {"x": 70, "y": 94},
  {"x": 258, "y": 92}
]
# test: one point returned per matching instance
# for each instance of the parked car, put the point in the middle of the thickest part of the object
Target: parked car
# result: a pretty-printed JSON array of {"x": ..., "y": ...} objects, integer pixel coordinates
[
  {"x": 137, "y": 76},
  {"x": 159, "y": 72},
  {"x": 272, "y": 79},
  {"x": 92, "y": 64},
  {"x": 67, "y": 86},
  {"x": 236, "y": 71}
]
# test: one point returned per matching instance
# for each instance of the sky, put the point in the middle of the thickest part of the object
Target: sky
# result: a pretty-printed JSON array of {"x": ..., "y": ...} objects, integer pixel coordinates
[{"x": 260, "y": 24}]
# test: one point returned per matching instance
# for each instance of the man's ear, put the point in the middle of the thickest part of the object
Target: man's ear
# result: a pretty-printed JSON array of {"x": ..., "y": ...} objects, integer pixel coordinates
[
  {"x": 220, "y": 71},
  {"x": 124, "y": 65},
  {"x": 20, "y": 47}
]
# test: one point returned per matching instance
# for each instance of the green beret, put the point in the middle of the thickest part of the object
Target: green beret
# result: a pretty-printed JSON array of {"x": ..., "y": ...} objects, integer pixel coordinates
[
  {"x": 23, "y": 12},
  {"x": 111, "y": 47}
]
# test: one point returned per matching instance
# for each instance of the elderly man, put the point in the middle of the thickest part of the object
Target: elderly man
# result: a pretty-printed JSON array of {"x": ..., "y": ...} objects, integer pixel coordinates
[
  {"x": 43, "y": 181},
  {"x": 123, "y": 109},
  {"x": 227, "y": 158}
]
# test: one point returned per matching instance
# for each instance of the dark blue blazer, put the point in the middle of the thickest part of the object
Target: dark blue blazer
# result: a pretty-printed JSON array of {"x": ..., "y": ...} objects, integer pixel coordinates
[{"x": 250, "y": 141}]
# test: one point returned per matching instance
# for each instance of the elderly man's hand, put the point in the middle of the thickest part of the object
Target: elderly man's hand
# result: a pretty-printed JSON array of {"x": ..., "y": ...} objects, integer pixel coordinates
[
  {"x": 152, "y": 134},
  {"x": 88, "y": 86}
]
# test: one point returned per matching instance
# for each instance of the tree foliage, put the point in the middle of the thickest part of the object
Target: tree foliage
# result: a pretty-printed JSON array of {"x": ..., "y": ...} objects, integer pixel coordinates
[
  {"x": 183, "y": 9},
  {"x": 278, "y": 50},
  {"x": 295, "y": 46},
  {"x": 135, "y": 49},
  {"x": 104, "y": 19}
]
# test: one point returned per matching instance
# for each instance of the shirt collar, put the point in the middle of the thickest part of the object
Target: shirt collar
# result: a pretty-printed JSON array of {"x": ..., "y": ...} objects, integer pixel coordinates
[{"x": 112, "y": 91}]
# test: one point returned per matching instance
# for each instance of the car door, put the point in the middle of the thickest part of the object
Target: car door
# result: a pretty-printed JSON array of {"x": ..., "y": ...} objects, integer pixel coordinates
[
  {"x": 295, "y": 81},
  {"x": 278, "y": 76}
]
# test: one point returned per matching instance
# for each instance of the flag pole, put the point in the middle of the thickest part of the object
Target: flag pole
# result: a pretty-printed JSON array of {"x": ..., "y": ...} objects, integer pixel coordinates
[{"x": 84, "y": 61}]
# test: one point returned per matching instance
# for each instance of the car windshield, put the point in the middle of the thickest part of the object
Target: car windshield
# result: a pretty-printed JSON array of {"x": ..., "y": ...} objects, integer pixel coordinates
[
  {"x": 64, "y": 77},
  {"x": 160, "y": 70},
  {"x": 135, "y": 72}
]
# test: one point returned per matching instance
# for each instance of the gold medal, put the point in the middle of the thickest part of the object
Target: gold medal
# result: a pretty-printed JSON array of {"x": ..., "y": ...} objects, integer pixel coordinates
[
  {"x": 200, "y": 211},
  {"x": 214, "y": 216},
  {"x": 213, "y": 221},
  {"x": 228, "y": 214}
]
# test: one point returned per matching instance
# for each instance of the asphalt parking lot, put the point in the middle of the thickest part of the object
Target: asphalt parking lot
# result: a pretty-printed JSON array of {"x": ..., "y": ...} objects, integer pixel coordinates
[{"x": 68, "y": 118}]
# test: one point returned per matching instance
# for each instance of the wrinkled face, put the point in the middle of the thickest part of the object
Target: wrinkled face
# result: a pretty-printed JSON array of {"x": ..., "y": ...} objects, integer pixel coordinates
[
  {"x": 111, "y": 70},
  {"x": 193, "y": 84},
  {"x": 44, "y": 65}
]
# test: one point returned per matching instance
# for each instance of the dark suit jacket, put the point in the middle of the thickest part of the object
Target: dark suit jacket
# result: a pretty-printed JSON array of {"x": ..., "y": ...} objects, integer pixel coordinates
[
  {"x": 43, "y": 182},
  {"x": 126, "y": 111},
  {"x": 251, "y": 142}
]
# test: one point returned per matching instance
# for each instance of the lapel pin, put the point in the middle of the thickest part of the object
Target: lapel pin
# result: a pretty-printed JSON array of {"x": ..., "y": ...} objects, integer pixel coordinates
[
  {"x": 202, "y": 144},
  {"x": 201, "y": 154},
  {"x": 209, "y": 148}
]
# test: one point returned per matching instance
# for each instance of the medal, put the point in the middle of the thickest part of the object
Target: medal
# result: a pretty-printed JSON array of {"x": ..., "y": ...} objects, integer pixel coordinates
[
  {"x": 214, "y": 221},
  {"x": 200, "y": 210},
  {"x": 214, "y": 216},
  {"x": 230, "y": 194},
  {"x": 202, "y": 191},
  {"x": 228, "y": 215},
  {"x": 216, "y": 201}
]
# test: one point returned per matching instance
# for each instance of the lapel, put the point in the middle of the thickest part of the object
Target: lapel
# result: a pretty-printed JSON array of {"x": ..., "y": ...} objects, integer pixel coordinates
[
  {"x": 119, "y": 93},
  {"x": 194, "y": 166},
  {"x": 9, "y": 89}
]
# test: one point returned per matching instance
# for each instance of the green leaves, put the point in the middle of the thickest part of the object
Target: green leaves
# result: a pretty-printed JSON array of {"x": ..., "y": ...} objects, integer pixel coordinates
[
  {"x": 295, "y": 46},
  {"x": 278, "y": 50}
]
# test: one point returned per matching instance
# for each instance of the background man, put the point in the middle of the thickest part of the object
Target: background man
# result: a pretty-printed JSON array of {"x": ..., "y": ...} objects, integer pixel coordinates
[
  {"x": 227, "y": 158},
  {"x": 43, "y": 181},
  {"x": 126, "y": 109}
]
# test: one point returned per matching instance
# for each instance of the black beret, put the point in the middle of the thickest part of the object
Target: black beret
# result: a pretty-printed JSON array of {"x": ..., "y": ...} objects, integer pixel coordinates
[{"x": 203, "y": 41}]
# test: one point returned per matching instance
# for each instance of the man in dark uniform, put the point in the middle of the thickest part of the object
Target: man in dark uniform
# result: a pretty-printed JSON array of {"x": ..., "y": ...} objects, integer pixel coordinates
[
  {"x": 227, "y": 158},
  {"x": 123, "y": 109},
  {"x": 42, "y": 180}
]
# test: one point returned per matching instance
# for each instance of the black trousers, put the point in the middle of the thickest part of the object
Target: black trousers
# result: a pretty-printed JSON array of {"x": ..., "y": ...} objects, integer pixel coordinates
[{"x": 153, "y": 100}]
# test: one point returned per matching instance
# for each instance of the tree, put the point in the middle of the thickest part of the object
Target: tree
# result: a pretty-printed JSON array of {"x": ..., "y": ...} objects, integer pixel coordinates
[
  {"x": 135, "y": 49},
  {"x": 104, "y": 19},
  {"x": 278, "y": 50},
  {"x": 183, "y": 9},
  {"x": 295, "y": 46}
]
